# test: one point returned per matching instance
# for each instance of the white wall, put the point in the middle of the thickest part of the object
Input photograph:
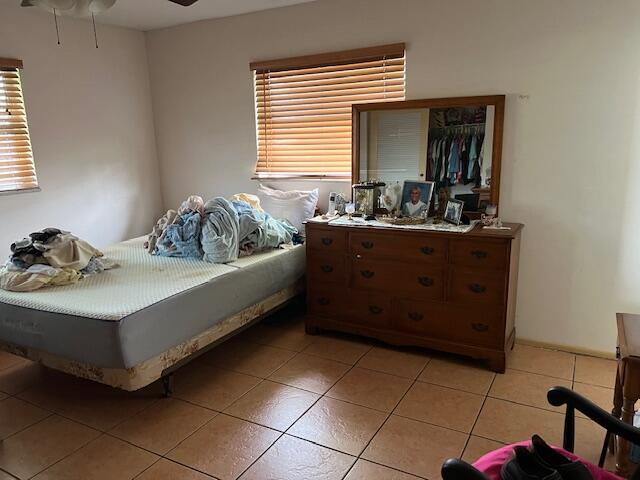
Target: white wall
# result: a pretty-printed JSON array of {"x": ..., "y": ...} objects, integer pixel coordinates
[
  {"x": 570, "y": 166},
  {"x": 91, "y": 124}
]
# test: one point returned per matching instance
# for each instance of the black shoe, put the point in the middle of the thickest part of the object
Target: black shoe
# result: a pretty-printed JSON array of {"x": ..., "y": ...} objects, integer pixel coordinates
[
  {"x": 524, "y": 466},
  {"x": 568, "y": 469}
]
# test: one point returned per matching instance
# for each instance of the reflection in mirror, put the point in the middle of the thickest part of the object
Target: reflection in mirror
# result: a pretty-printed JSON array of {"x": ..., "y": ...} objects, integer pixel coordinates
[
  {"x": 451, "y": 145},
  {"x": 459, "y": 152},
  {"x": 393, "y": 144}
]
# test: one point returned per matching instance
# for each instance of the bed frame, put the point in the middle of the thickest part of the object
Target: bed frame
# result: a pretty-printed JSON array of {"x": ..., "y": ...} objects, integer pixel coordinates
[{"x": 163, "y": 365}]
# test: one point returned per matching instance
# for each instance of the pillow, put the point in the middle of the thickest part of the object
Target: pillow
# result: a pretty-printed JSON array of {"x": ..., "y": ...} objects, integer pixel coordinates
[{"x": 295, "y": 206}]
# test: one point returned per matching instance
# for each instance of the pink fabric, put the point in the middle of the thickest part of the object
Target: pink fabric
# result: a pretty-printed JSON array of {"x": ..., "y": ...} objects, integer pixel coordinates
[{"x": 491, "y": 463}]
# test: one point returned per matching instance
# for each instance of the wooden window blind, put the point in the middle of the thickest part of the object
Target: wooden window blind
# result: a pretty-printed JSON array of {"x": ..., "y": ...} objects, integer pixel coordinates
[
  {"x": 303, "y": 107},
  {"x": 17, "y": 170}
]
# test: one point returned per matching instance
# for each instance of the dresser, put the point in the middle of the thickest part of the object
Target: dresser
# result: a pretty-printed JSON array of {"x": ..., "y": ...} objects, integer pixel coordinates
[{"x": 445, "y": 291}]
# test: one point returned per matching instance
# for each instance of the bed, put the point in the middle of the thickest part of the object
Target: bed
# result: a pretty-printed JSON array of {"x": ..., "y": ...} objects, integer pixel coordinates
[{"x": 132, "y": 325}]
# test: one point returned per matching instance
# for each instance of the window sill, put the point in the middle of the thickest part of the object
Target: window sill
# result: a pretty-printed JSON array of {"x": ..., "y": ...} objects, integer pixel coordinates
[
  {"x": 322, "y": 178},
  {"x": 16, "y": 192}
]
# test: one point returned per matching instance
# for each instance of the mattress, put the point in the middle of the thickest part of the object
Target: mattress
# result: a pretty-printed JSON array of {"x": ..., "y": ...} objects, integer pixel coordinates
[{"x": 149, "y": 304}]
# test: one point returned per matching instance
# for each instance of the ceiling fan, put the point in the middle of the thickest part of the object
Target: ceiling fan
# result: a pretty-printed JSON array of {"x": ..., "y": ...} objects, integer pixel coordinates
[{"x": 83, "y": 8}]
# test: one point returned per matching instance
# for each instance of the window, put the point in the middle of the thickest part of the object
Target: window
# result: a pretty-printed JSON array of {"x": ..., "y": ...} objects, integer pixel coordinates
[
  {"x": 17, "y": 171},
  {"x": 303, "y": 108}
]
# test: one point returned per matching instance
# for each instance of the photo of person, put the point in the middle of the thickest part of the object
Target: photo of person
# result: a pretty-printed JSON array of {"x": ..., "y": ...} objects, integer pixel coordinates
[
  {"x": 453, "y": 212},
  {"x": 416, "y": 198}
]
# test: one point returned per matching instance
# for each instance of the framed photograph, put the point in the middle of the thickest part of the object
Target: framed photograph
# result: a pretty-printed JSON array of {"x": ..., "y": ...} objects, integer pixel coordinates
[
  {"x": 416, "y": 198},
  {"x": 471, "y": 201},
  {"x": 453, "y": 212}
]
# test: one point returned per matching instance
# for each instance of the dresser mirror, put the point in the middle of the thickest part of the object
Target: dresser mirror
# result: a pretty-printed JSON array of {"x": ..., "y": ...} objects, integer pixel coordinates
[{"x": 454, "y": 142}]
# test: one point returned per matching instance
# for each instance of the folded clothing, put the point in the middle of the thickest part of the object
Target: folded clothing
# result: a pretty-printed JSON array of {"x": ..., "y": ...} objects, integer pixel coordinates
[
  {"x": 50, "y": 257},
  {"x": 68, "y": 251},
  {"x": 252, "y": 200},
  {"x": 35, "y": 277},
  {"x": 28, "y": 251}
]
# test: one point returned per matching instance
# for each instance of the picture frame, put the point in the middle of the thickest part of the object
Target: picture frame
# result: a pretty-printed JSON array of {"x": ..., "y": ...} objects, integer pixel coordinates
[
  {"x": 416, "y": 198},
  {"x": 453, "y": 211}
]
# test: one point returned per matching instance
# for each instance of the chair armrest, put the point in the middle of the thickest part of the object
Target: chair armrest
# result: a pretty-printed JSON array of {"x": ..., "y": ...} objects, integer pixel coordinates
[
  {"x": 558, "y": 396},
  {"x": 456, "y": 469}
]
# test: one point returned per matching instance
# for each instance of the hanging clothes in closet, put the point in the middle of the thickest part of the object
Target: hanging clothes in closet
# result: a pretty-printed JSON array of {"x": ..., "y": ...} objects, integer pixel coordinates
[{"x": 455, "y": 156}]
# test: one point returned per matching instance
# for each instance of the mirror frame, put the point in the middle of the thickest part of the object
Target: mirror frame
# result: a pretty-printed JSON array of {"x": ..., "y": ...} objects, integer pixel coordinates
[{"x": 497, "y": 101}]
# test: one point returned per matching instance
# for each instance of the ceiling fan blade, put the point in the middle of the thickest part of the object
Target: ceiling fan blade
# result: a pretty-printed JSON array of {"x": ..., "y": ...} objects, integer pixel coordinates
[
  {"x": 184, "y": 3},
  {"x": 26, "y": 3}
]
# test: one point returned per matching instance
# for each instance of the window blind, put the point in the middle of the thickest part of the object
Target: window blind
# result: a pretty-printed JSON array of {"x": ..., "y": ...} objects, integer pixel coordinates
[
  {"x": 400, "y": 144},
  {"x": 17, "y": 171},
  {"x": 303, "y": 107}
]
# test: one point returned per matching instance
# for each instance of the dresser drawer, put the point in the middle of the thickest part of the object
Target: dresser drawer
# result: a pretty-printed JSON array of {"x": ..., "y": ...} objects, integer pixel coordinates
[
  {"x": 422, "y": 281},
  {"x": 406, "y": 247},
  {"x": 453, "y": 323},
  {"x": 326, "y": 239},
  {"x": 368, "y": 308},
  {"x": 472, "y": 285},
  {"x": 474, "y": 253},
  {"x": 326, "y": 268},
  {"x": 326, "y": 301}
]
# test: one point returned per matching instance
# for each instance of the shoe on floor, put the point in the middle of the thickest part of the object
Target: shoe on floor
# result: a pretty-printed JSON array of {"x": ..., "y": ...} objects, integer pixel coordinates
[
  {"x": 568, "y": 469},
  {"x": 524, "y": 466}
]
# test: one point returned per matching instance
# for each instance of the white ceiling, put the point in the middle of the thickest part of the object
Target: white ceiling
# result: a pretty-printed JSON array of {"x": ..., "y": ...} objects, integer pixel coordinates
[{"x": 152, "y": 14}]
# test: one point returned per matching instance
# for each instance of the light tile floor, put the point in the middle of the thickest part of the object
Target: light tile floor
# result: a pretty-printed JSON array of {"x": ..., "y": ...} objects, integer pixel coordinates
[{"x": 277, "y": 403}]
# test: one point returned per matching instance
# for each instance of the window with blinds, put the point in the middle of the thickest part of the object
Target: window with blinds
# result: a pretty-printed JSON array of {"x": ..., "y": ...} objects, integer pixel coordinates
[
  {"x": 17, "y": 170},
  {"x": 303, "y": 107}
]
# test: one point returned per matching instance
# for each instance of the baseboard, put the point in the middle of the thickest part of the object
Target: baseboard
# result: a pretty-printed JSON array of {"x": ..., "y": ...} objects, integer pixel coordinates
[{"x": 567, "y": 348}]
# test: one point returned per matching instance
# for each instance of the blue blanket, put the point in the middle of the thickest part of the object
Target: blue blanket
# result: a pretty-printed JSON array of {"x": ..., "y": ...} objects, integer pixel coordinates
[
  {"x": 181, "y": 238},
  {"x": 229, "y": 226},
  {"x": 220, "y": 231}
]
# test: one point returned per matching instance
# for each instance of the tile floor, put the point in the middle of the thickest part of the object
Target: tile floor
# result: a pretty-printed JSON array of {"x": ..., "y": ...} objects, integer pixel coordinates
[{"x": 277, "y": 403}]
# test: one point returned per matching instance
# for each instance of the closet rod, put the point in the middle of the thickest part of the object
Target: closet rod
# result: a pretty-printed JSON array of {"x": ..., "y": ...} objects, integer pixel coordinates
[{"x": 463, "y": 125}]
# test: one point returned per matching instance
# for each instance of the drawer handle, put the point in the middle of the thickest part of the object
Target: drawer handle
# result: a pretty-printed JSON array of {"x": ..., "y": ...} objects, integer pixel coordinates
[
  {"x": 327, "y": 268},
  {"x": 327, "y": 241},
  {"x": 427, "y": 250},
  {"x": 477, "y": 288},
  {"x": 323, "y": 301},
  {"x": 479, "y": 254},
  {"x": 480, "y": 327},
  {"x": 367, "y": 273},
  {"x": 415, "y": 316},
  {"x": 367, "y": 245},
  {"x": 425, "y": 281},
  {"x": 375, "y": 309}
]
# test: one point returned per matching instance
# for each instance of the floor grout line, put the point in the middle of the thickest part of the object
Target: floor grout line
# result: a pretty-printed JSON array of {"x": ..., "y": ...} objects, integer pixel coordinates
[
  {"x": 389, "y": 414},
  {"x": 283, "y": 433},
  {"x": 473, "y": 427},
  {"x": 320, "y": 396},
  {"x": 68, "y": 455},
  {"x": 386, "y": 419},
  {"x": 148, "y": 468}
]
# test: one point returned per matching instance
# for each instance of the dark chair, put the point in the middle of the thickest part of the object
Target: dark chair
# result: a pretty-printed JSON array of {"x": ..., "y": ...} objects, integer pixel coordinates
[{"x": 456, "y": 469}]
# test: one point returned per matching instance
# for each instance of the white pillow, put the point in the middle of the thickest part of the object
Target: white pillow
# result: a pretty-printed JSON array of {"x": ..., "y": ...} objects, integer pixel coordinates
[{"x": 295, "y": 206}]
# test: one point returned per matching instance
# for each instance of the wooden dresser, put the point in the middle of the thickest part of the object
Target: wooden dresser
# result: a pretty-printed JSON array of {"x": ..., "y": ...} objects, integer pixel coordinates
[{"x": 449, "y": 292}]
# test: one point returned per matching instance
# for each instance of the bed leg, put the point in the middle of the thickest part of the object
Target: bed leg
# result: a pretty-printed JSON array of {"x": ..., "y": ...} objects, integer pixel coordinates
[{"x": 167, "y": 385}]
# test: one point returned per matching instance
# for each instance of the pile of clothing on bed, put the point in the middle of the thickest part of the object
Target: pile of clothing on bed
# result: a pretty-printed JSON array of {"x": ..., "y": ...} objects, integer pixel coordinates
[
  {"x": 50, "y": 257},
  {"x": 218, "y": 231}
]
